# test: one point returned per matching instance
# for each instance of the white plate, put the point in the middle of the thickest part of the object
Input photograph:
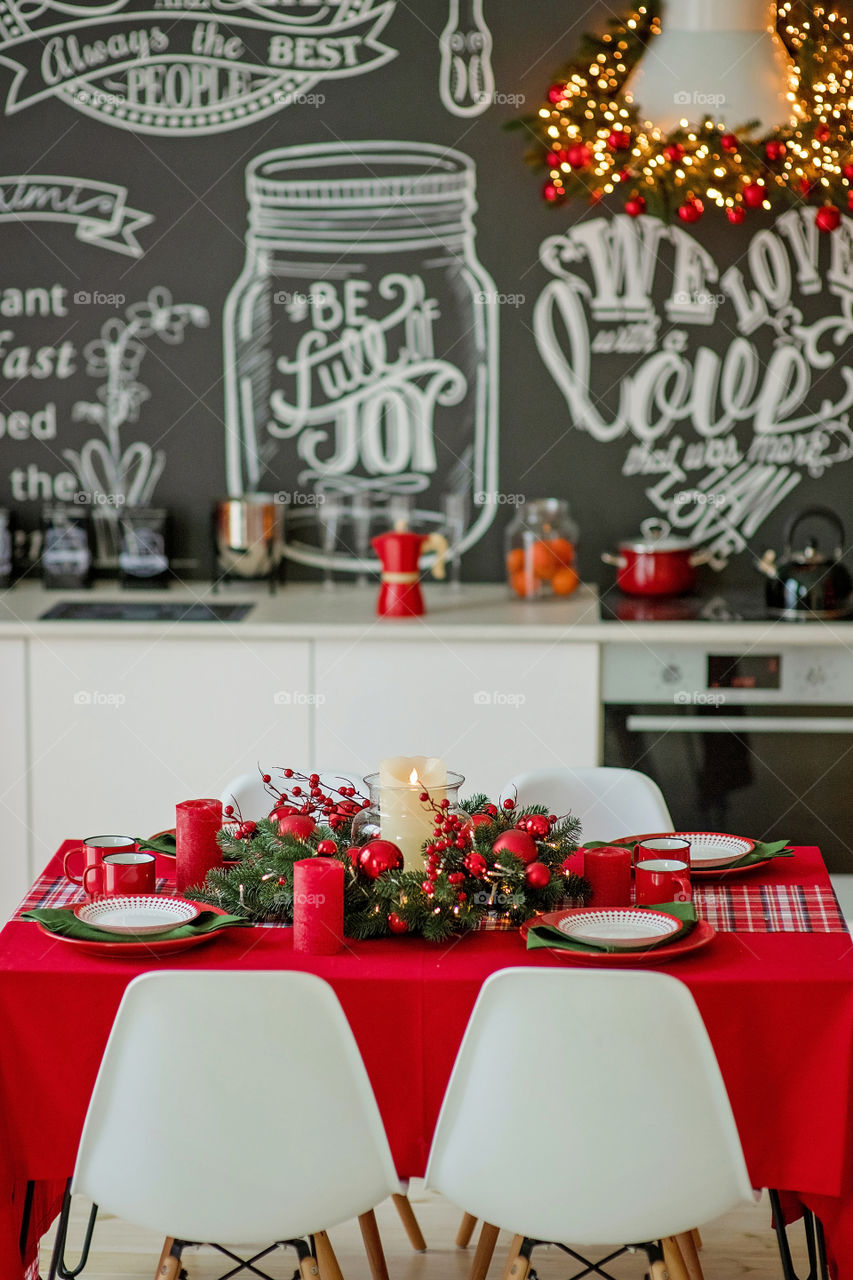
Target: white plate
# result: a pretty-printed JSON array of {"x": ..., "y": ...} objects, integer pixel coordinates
[
  {"x": 138, "y": 913},
  {"x": 708, "y": 849},
  {"x": 618, "y": 926}
]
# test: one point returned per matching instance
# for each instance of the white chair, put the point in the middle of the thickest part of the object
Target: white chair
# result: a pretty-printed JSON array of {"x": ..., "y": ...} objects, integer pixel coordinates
[
  {"x": 235, "y": 1107},
  {"x": 250, "y": 797},
  {"x": 645, "y": 1146},
  {"x": 609, "y": 802}
]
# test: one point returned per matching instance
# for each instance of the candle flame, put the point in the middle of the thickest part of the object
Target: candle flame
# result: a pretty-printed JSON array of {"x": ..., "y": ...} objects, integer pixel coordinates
[{"x": 413, "y": 778}]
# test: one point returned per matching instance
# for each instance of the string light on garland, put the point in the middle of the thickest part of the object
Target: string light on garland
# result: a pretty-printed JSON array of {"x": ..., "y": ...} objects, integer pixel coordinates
[{"x": 591, "y": 140}]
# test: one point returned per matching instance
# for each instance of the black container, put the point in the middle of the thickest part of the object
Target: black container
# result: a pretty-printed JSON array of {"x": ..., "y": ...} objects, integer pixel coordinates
[
  {"x": 66, "y": 554},
  {"x": 143, "y": 548}
]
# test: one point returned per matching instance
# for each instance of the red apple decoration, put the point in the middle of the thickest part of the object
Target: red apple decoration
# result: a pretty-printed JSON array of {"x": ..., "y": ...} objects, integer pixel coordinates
[
  {"x": 519, "y": 843},
  {"x": 378, "y": 856},
  {"x": 828, "y": 217},
  {"x": 299, "y": 825},
  {"x": 754, "y": 194}
]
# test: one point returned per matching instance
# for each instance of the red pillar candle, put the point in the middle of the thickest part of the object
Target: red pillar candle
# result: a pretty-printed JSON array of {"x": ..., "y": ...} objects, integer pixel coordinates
[
  {"x": 196, "y": 850},
  {"x": 318, "y": 906},
  {"x": 608, "y": 870}
]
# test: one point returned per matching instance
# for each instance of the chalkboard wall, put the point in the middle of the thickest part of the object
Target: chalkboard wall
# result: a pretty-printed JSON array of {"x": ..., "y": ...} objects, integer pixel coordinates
[{"x": 291, "y": 247}]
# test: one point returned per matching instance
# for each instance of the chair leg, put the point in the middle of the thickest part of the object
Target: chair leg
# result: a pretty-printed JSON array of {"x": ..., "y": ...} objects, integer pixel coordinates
[
  {"x": 517, "y": 1266},
  {"x": 466, "y": 1230},
  {"x": 689, "y": 1255},
  {"x": 327, "y": 1263},
  {"x": 407, "y": 1216},
  {"x": 164, "y": 1257},
  {"x": 483, "y": 1253},
  {"x": 373, "y": 1246},
  {"x": 697, "y": 1239},
  {"x": 673, "y": 1259}
]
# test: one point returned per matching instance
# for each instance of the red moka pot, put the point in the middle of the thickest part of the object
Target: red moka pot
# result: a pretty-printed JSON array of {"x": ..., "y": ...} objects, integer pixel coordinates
[{"x": 400, "y": 594}]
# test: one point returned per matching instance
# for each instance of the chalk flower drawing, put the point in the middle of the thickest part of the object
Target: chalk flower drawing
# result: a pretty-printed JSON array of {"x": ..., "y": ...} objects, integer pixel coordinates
[
  {"x": 466, "y": 81},
  {"x": 110, "y": 473},
  {"x": 745, "y": 422}
]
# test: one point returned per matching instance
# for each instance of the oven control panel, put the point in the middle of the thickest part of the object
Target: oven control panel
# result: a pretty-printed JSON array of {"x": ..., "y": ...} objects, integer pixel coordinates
[{"x": 722, "y": 675}]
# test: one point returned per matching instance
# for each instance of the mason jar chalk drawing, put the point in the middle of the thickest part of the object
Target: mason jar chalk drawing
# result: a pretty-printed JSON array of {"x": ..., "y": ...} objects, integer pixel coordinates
[{"x": 360, "y": 340}]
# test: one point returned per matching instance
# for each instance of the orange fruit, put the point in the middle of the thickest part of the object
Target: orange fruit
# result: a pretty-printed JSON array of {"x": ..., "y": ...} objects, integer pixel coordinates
[
  {"x": 564, "y": 581},
  {"x": 515, "y": 561},
  {"x": 562, "y": 550},
  {"x": 542, "y": 561},
  {"x": 523, "y": 585}
]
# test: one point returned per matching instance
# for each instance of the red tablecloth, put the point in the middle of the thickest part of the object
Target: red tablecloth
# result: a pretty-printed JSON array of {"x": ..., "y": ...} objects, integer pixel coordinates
[{"x": 778, "y": 1007}]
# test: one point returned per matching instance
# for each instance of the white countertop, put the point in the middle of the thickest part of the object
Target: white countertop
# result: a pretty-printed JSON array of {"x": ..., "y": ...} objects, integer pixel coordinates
[{"x": 480, "y": 612}]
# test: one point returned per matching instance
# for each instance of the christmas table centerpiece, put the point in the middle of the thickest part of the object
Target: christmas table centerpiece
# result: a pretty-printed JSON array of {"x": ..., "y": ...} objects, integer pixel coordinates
[{"x": 482, "y": 863}]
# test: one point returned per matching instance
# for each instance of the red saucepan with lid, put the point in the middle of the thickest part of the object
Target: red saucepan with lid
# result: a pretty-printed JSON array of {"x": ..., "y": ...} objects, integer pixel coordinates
[{"x": 656, "y": 563}]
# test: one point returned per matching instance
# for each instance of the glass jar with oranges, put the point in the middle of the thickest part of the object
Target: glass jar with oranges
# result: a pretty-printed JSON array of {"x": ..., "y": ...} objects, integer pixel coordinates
[{"x": 540, "y": 549}]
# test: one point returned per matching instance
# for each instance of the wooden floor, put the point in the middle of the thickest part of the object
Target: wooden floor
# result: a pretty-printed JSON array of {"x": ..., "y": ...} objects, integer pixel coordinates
[{"x": 739, "y": 1245}]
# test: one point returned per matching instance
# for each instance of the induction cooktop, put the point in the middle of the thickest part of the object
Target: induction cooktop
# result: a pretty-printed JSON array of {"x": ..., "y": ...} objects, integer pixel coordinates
[
  {"x": 740, "y": 604},
  {"x": 143, "y": 611}
]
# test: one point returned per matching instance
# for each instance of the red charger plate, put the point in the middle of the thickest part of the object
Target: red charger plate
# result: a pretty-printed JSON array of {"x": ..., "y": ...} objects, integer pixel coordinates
[
  {"x": 709, "y": 873},
  {"x": 699, "y": 936},
  {"x": 152, "y": 949}
]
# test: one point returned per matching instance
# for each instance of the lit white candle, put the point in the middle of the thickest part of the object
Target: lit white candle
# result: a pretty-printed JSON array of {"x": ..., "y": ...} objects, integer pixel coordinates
[{"x": 404, "y": 818}]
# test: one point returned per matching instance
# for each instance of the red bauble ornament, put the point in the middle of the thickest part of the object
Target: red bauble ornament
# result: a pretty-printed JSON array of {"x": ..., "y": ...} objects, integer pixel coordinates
[
  {"x": 556, "y": 93},
  {"x": 552, "y": 193},
  {"x": 516, "y": 842},
  {"x": 619, "y": 140},
  {"x": 378, "y": 856},
  {"x": 754, "y": 194},
  {"x": 294, "y": 824},
  {"x": 537, "y": 875},
  {"x": 691, "y": 210},
  {"x": 354, "y": 853},
  {"x": 774, "y": 150},
  {"x": 635, "y": 206},
  {"x": 848, "y": 171},
  {"x": 578, "y": 155},
  {"x": 397, "y": 924},
  {"x": 673, "y": 152},
  {"x": 476, "y": 865},
  {"x": 327, "y": 848},
  {"x": 481, "y": 819},
  {"x": 428, "y": 888},
  {"x": 805, "y": 187},
  {"x": 828, "y": 218},
  {"x": 509, "y": 805},
  {"x": 537, "y": 825},
  {"x": 736, "y": 214},
  {"x": 822, "y": 133},
  {"x": 729, "y": 142}
]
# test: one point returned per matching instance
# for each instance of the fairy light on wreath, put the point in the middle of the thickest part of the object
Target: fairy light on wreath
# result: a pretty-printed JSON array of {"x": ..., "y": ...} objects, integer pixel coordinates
[{"x": 591, "y": 141}]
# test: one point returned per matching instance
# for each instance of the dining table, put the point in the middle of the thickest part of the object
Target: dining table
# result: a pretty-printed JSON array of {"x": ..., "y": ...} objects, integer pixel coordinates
[{"x": 774, "y": 986}]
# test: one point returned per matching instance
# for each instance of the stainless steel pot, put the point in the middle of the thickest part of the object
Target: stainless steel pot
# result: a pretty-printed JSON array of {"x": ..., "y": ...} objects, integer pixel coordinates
[{"x": 249, "y": 535}]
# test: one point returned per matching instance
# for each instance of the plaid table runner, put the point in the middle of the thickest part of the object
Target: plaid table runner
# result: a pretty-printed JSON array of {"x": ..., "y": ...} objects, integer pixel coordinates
[{"x": 743, "y": 908}]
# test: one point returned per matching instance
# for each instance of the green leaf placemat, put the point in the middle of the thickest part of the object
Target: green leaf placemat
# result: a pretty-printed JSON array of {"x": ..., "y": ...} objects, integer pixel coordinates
[
  {"x": 61, "y": 921},
  {"x": 160, "y": 844},
  {"x": 547, "y": 935}
]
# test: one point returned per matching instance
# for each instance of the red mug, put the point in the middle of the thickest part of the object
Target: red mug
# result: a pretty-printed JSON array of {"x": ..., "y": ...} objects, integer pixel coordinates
[
  {"x": 662, "y": 847},
  {"x": 93, "y": 849},
  {"x": 125, "y": 872},
  {"x": 662, "y": 880}
]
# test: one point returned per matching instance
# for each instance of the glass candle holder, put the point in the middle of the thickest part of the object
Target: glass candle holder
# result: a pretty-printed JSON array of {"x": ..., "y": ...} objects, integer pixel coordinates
[{"x": 398, "y": 814}]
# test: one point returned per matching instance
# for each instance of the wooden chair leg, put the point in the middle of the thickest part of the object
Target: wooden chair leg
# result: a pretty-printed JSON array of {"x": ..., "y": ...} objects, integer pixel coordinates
[
  {"x": 373, "y": 1246},
  {"x": 516, "y": 1267},
  {"x": 164, "y": 1258},
  {"x": 483, "y": 1253},
  {"x": 689, "y": 1255},
  {"x": 466, "y": 1230},
  {"x": 327, "y": 1263},
  {"x": 407, "y": 1216},
  {"x": 673, "y": 1259},
  {"x": 697, "y": 1239}
]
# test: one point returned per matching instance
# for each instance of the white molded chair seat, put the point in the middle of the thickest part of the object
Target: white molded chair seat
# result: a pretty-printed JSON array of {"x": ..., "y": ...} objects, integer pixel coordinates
[
  {"x": 647, "y": 1147},
  {"x": 609, "y": 802},
  {"x": 250, "y": 797},
  {"x": 233, "y": 1106}
]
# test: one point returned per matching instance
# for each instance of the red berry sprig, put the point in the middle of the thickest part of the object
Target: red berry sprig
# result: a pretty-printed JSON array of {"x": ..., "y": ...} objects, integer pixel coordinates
[{"x": 303, "y": 794}]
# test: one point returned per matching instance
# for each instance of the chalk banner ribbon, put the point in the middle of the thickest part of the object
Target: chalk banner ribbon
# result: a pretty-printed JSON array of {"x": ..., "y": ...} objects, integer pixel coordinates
[{"x": 99, "y": 210}]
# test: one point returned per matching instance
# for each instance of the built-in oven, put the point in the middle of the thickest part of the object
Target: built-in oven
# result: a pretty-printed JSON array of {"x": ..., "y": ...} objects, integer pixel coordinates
[{"x": 758, "y": 742}]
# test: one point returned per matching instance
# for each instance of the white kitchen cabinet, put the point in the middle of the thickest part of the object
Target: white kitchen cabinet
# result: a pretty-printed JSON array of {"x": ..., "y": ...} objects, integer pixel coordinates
[
  {"x": 122, "y": 729},
  {"x": 490, "y": 709},
  {"x": 14, "y": 833}
]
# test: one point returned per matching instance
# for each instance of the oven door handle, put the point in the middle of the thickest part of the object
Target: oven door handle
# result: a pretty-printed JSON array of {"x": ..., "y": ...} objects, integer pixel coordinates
[{"x": 740, "y": 724}]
